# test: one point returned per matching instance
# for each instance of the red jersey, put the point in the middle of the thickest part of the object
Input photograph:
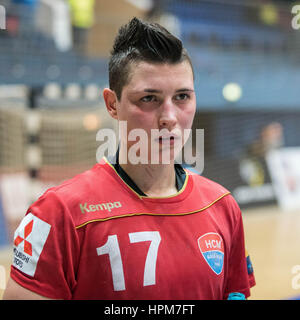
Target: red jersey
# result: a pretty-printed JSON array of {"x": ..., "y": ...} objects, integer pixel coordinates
[{"x": 94, "y": 237}]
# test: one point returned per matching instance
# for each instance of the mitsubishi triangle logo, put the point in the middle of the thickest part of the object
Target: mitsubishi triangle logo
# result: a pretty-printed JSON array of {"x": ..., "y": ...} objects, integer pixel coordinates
[
  {"x": 29, "y": 240},
  {"x": 27, "y": 244}
]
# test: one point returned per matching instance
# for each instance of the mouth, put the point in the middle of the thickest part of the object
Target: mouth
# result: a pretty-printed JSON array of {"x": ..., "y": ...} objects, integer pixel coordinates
[{"x": 167, "y": 140}]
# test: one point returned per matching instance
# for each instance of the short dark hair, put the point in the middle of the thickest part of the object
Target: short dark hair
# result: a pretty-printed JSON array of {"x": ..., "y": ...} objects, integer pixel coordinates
[{"x": 142, "y": 41}]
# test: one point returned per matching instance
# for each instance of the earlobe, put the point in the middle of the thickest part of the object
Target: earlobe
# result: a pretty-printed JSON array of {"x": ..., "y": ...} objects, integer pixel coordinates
[{"x": 110, "y": 99}]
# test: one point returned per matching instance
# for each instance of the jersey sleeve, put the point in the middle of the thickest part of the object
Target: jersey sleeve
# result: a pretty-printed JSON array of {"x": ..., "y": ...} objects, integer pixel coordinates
[
  {"x": 46, "y": 248},
  {"x": 240, "y": 275}
]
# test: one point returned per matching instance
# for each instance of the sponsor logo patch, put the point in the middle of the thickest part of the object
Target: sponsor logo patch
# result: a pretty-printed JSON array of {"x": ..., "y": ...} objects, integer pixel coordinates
[
  {"x": 85, "y": 208},
  {"x": 212, "y": 248},
  {"x": 29, "y": 240}
]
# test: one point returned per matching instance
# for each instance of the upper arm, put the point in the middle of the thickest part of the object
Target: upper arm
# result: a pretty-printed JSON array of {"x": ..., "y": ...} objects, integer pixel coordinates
[
  {"x": 46, "y": 240},
  {"x": 238, "y": 277},
  {"x": 14, "y": 291}
]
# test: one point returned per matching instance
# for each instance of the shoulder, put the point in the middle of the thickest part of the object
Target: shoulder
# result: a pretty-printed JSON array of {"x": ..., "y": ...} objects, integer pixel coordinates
[
  {"x": 214, "y": 191},
  {"x": 204, "y": 183},
  {"x": 79, "y": 185},
  {"x": 59, "y": 201}
]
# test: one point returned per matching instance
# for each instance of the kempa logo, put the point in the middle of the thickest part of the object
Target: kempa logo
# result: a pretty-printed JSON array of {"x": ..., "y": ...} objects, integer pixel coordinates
[
  {"x": 2, "y": 18},
  {"x": 84, "y": 208}
]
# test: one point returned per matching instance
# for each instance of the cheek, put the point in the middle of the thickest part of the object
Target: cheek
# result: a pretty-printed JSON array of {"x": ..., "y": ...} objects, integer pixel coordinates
[
  {"x": 137, "y": 118},
  {"x": 187, "y": 117}
]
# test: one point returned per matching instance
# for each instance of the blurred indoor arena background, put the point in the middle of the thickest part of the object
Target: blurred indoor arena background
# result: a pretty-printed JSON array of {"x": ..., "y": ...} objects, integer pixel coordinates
[{"x": 53, "y": 67}]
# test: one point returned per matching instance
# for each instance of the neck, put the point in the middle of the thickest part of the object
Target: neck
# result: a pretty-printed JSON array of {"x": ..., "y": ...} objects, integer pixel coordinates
[{"x": 155, "y": 180}]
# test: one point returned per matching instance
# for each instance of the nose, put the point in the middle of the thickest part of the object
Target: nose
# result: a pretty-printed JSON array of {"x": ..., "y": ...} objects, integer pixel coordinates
[{"x": 167, "y": 117}]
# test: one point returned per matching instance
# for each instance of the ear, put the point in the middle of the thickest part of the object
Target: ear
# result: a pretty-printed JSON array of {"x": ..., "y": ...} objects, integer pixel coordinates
[{"x": 110, "y": 99}]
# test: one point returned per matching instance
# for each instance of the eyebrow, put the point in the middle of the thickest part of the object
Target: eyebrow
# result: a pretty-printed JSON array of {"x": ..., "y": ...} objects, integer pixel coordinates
[{"x": 149, "y": 90}]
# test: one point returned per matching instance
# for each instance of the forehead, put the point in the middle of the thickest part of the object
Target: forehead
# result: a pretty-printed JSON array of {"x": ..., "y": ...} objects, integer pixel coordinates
[{"x": 160, "y": 76}]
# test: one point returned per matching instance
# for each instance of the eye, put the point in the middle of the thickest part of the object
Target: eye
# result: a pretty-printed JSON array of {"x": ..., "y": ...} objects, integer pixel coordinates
[
  {"x": 182, "y": 96},
  {"x": 149, "y": 98}
]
